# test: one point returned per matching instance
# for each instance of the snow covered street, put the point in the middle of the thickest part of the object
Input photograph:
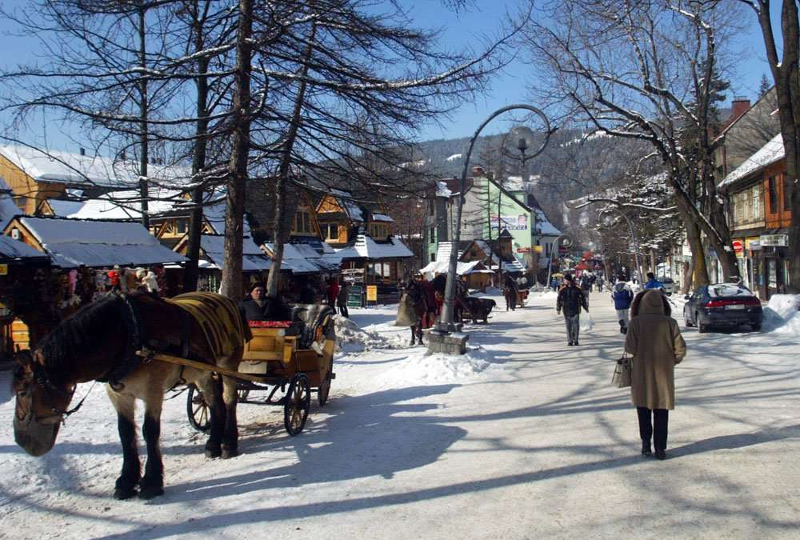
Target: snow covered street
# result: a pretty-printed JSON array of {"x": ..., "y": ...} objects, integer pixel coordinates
[{"x": 523, "y": 437}]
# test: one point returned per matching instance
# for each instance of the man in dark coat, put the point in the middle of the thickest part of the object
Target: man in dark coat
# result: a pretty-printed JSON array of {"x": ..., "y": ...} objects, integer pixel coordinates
[
  {"x": 571, "y": 299},
  {"x": 260, "y": 308}
]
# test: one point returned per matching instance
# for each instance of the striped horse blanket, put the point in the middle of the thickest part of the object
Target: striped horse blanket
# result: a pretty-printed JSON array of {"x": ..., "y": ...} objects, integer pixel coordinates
[{"x": 219, "y": 317}]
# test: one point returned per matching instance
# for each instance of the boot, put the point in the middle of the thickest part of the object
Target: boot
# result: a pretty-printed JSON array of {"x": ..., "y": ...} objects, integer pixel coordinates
[
  {"x": 661, "y": 454},
  {"x": 646, "y": 449}
]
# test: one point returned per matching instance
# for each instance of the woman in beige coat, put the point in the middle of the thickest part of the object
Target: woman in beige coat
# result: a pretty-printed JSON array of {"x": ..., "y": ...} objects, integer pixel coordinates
[{"x": 656, "y": 345}]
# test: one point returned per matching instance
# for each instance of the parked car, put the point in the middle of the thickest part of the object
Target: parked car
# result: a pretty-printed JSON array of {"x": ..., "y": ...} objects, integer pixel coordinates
[
  {"x": 723, "y": 304},
  {"x": 669, "y": 285}
]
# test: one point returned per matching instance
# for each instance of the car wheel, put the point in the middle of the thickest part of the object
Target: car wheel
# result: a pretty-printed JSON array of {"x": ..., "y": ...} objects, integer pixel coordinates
[
  {"x": 687, "y": 321},
  {"x": 702, "y": 328}
]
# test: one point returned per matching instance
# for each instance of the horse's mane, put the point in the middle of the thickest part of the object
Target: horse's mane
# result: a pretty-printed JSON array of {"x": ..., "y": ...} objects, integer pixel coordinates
[{"x": 73, "y": 336}]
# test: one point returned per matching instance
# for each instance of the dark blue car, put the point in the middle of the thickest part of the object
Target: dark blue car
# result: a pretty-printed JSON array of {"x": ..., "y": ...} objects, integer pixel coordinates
[{"x": 722, "y": 305}]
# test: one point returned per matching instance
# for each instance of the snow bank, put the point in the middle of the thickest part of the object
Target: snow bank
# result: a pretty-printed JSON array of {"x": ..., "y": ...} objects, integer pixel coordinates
[
  {"x": 352, "y": 339},
  {"x": 422, "y": 368},
  {"x": 781, "y": 314}
]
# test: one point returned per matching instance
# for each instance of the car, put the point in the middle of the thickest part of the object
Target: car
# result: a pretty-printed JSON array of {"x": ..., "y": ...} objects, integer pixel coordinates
[
  {"x": 722, "y": 305},
  {"x": 669, "y": 285}
]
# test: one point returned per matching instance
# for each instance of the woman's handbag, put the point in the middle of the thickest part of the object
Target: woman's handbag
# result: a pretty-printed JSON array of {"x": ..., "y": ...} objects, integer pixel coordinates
[{"x": 622, "y": 372}]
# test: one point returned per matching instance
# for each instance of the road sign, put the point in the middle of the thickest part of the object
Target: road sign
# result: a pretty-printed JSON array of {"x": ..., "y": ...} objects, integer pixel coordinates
[{"x": 738, "y": 248}]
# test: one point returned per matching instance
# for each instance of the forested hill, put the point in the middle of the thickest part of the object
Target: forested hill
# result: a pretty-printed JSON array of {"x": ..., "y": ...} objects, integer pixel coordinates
[{"x": 573, "y": 164}]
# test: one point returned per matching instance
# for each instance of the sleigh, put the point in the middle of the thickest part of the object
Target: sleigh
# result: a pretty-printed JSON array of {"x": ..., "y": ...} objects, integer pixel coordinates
[{"x": 477, "y": 309}]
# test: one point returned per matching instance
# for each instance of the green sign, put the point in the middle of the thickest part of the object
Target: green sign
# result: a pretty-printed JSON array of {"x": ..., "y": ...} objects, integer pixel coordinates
[{"x": 355, "y": 296}]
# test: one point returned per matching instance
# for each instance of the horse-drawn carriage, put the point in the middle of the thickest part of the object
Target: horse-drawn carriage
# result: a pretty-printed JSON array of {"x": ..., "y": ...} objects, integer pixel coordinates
[
  {"x": 472, "y": 307},
  {"x": 293, "y": 357}
]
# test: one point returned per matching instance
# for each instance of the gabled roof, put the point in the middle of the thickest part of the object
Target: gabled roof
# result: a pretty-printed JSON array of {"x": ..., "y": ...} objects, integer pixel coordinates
[
  {"x": 14, "y": 250},
  {"x": 368, "y": 248},
  {"x": 770, "y": 153},
  {"x": 81, "y": 170},
  {"x": 94, "y": 243}
]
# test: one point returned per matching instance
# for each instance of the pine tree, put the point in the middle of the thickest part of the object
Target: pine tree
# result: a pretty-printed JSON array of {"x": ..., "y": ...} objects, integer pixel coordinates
[{"x": 764, "y": 86}]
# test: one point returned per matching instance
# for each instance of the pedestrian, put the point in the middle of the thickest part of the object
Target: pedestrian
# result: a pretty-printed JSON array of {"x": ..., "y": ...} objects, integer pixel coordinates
[
  {"x": 341, "y": 300},
  {"x": 571, "y": 299},
  {"x": 586, "y": 286},
  {"x": 622, "y": 295},
  {"x": 652, "y": 282},
  {"x": 510, "y": 292},
  {"x": 656, "y": 345},
  {"x": 332, "y": 291}
]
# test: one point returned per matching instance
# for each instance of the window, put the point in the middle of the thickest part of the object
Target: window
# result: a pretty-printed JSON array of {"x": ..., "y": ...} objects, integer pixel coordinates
[
  {"x": 181, "y": 226},
  {"x": 772, "y": 194},
  {"x": 330, "y": 231},
  {"x": 432, "y": 235},
  {"x": 787, "y": 190},
  {"x": 433, "y": 257},
  {"x": 302, "y": 223},
  {"x": 755, "y": 197},
  {"x": 378, "y": 230}
]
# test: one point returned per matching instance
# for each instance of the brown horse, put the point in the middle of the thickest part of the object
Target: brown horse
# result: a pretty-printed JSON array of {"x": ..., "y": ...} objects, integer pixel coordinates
[{"x": 99, "y": 343}]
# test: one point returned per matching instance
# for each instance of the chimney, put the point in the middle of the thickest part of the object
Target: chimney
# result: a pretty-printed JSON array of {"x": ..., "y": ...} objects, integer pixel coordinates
[
  {"x": 739, "y": 106},
  {"x": 477, "y": 171}
]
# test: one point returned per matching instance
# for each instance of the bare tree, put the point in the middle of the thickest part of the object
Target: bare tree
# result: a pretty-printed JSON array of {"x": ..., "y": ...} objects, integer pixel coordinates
[{"x": 646, "y": 70}]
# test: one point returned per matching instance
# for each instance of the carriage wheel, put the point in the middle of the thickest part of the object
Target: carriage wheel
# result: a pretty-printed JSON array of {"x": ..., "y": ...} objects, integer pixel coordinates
[
  {"x": 298, "y": 402},
  {"x": 198, "y": 410}
]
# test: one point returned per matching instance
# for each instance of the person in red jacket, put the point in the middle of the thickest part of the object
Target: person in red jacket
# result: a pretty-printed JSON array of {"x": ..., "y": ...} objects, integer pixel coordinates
[{"x": 332, "y": 292}]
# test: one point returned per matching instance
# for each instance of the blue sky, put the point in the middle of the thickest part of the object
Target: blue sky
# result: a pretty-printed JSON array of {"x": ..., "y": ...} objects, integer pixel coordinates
[{"x": 483, "y": 19}]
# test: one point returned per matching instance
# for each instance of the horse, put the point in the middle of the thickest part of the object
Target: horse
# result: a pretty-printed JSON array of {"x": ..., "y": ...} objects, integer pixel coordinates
[
  {"x": 510, "y": 293},
  {"x": 99, "y": 342},
  {"x": 415, "y": 309}
]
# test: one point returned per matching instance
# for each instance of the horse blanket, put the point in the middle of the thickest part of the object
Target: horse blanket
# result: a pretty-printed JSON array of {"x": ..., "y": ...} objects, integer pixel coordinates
[{"x": 219, "y": 317}]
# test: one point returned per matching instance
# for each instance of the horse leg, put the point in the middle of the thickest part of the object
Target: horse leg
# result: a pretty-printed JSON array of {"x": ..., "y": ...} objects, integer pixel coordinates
[
  {"x": 152, "y": 485},
  {"x": 413, "y": 336},
  {"x": 125, "y": 486},
  {"x": 419, "y": 333},
  {"x": 212, "y": 393},
  {"x": 230, "y": 437}
]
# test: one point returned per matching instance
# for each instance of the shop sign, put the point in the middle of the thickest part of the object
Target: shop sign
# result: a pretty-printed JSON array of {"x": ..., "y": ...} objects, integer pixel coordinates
[
  {"x": 3, "y": 269},
  {"x": 537, "y": 249},
  {"x": 753, "y": 243},
  {"x": 774, "y": 240},
  {"x": 738, "y": 248},
  {"x": 523, "y": 249},
  {"x": 372, "y": 293}
]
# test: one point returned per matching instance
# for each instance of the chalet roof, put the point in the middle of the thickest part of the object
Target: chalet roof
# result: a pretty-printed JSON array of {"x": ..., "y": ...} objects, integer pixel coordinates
[
  {"x": 462, "y": 268},
  {"x": 84, "y": 170},
  {"x": 351, "y": 208},
  {"x": 14, "y": 250},
  {"x": 394, "y": 248},
  {"x": 305, "y": 258},
  {"x": 770, "y": 153},
  {"x": 94, "y": 243}
]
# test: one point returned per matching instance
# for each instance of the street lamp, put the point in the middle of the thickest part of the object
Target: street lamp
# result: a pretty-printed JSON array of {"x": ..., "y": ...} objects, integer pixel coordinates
[
  {"x": 633, "y": 236},
  {"x": 445, "y": 324},
  {"x": 554, "y": 254}
]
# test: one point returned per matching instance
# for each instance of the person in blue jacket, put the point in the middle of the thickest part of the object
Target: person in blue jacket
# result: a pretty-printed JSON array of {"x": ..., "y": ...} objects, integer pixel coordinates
[
  {"x": 652, "y": 282},
  {"x": 622, "y": 296}
]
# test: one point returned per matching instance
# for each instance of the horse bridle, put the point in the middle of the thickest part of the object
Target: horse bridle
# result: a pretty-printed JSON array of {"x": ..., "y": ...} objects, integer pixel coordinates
[{"x": 40, "y": 378}]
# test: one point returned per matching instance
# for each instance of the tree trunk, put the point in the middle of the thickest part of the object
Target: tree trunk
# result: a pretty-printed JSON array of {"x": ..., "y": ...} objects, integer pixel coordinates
[
  {"x": 686, "y": 282},
  {"x": 190, "y": 275},
  {"x": 240, "y": 146},
  {"x": 284, "y": 172},
  {"x": 143, "y": 121}
]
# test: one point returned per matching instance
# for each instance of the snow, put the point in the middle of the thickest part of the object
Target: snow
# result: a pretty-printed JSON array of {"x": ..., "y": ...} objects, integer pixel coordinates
[
  {"x": 534, "y": 443},
  {"x": 350, "y": 207},
  {"x": 454, "y": 157},
  {"x": 368, "y": 248},
  {"x": 442, "y": 190},
  {"x": 7, "y": 207},
  {"x": 768, "y": 154},
  {"x": 117, "y": 205},
  {"x": 72, "y": 243},
  {"x": 75, "y": 169},
  {"x": 545, "y": 228},
  {"x": 781, "y": 315},
  {"x": 382, "y": 218}
]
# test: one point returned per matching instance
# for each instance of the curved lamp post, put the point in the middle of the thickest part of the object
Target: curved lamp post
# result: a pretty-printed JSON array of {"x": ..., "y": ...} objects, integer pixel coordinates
[
  {"x": 445, "y": 324},
  {"x": 567, "y": 241},
  {"x": 633, "y": 238}
]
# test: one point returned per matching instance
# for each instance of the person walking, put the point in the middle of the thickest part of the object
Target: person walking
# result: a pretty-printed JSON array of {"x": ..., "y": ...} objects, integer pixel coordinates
[
  {"x": 341, "y": 300},
  {"x": 652, "y": 282},
  {"x": 656, "y": 345},
  {"x": 571, "y": 299},
  {"x": 622, "y": 295},
  {"x": 586, "y": 286}
]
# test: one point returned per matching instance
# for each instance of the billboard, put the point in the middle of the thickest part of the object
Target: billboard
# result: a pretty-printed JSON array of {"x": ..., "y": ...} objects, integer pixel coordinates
[{"x": 511, "y": 223}]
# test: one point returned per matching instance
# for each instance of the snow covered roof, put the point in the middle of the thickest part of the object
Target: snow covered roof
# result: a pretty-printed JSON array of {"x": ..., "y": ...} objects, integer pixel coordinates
[
  {"x": 768, "y": 154},
  {"x": 76, "y": 169},
  {"x": 443, "y": 266},
  {"x": 253, "y": 259},
  {"x": 122, "y": 205},
  {"x": 454, "y": 157},
  {"x": 11, "y": 249},
  {"x": 368, "y": 248},
  {"x": 382, "y": 217},
  {"x": 543, "y": 226},
  {"x": 72, "y": 242},
  {"x": 307, "y": 259},
  {"x": 350, "y": 207}
]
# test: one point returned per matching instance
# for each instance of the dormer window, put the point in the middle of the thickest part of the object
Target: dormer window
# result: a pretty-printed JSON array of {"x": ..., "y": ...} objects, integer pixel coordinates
[
  {"x": 330, "y": 231},
  {"x": 302, "y": 223},
  {"x": 378, "y": 231}
]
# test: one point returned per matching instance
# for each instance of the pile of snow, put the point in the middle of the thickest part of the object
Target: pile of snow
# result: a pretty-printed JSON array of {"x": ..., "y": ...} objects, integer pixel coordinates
[
  {"x": 352, "y": 339},
  {"x": 420, "y": 367},
  {"x": 781, "y": 314}
]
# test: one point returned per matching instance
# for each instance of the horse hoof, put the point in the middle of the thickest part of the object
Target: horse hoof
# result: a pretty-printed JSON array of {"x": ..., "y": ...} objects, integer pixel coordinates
[
  {"x": 213, "y": 453},
  {"x": 122, "y": 494},
  {"x": 228, "y": 453},
  {"x": 151, "y": 492}
]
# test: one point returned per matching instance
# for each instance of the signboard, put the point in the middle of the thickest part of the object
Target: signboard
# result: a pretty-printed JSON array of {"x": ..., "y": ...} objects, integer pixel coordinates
[
  {"x": 738, "y": 248},
  {"x": 752, "y": 243},
  {"x": 372, "y": 293},
  {"x": 537, "y": 249},
  {"x": 355, "y": 296},
  {"x": 774, "y": 240},
  {"x": 511, "y": 223},
  {"x": 3, "y": 269},
  {"x": 523, "y": 250}
]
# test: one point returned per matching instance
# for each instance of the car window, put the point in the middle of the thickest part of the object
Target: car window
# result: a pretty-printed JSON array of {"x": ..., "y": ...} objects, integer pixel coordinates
[{"x": 728, "y": 290}]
